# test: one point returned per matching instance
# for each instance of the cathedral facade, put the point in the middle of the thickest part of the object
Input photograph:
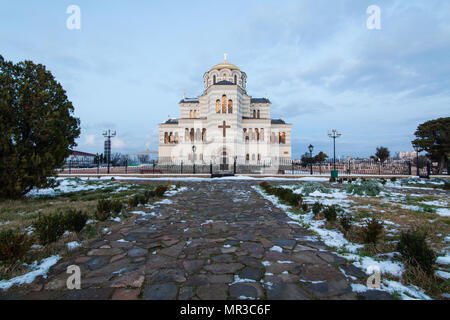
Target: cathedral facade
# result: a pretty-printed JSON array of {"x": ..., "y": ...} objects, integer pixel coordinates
[{"x": 225, "y": 125}]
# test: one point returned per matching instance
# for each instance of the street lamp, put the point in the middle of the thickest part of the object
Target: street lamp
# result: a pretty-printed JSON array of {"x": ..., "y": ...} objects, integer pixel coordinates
[
  {"x": 416, "y": 148},
  {"x": 334, "y": 134},
  {"x": 311, "y": 148},
  {"x": 108, "y": 134}
]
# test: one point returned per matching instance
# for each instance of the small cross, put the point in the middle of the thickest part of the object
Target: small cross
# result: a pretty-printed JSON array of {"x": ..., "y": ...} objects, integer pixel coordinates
[
  {"x": 224, "y": 127},
  {"x": 225, "y": 57}
]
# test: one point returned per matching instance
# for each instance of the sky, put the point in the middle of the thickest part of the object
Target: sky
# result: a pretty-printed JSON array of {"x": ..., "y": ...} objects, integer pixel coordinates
[{"x": 130, "y": 63}]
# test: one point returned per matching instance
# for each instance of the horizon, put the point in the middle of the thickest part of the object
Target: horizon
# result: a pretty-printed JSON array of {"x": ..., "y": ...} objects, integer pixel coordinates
[{"x": 319, "y": 64}]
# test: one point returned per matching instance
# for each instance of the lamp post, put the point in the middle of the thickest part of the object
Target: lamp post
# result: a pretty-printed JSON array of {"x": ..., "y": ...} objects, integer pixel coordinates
[
  {"x": 108, "y": 134},
  {"x": 416, "y": 148},
  {"x": 311, "y": 148},
  {"x": 334, "y": 134}
]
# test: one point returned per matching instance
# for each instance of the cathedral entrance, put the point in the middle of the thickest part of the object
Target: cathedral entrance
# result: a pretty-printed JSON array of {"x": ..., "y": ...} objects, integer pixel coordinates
[{"x": 224, "y": 161}]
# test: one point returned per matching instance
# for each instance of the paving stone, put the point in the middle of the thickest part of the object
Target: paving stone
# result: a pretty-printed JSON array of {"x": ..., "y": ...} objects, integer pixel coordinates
[
  {"x": 213, "y": 292},
  {"x": 242, "y": 291},
  {"x": 164, "y": 291},
  {"x": 192, "y": 265},
  {"x": 104, "y": 252},
  {"x": 251, "y": 273},
  {"x": 168, "y": 275},
  {"x": 137, "y": 252},
  {"x": 220, "y": 268},
  {"x": 329, "y": 288},
  {"x": 286, "y": 291},
  {"x": 88, "y": 294},
  {"x": 97, "y": 262},
  {"x": 376, "y": 295},
  {"x": 186, "y": 293},
  {"x": 227, "y": 258},
  {"x": 126, "y": 294}
]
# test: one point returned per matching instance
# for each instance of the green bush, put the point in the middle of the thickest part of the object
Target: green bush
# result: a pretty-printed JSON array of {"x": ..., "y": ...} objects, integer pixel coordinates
[
  {"x": 265, "y": 185},
  {"x": 304, "y": 207},
  {"x": 50, "y": 227},
  {"x": 160, "y": 190},
  {"x": 116, "y": 206},
  {"x": 393, "y": 179},
  {"x": 415, "y": 250},
  {"x": 340, "y": 180},
  {"x": 365, "y": 188},
  {"x": 148, "y": 194},
  {"x": 103, "y": 209},
  {"x": 372, "y": 231},
  {"x": 332, "y": 179},
  {"x": 14, "y": 245},
  {"x": 310, "y": 187},
  {"x": 133, "y": 201},
  {"x": 330, "y": 213},
  {"x": 383, "y": 181},
  {"x": 316, "y": 208},
  {"x": 75, "y": 220},
  {"x": 346, "y": 222}
]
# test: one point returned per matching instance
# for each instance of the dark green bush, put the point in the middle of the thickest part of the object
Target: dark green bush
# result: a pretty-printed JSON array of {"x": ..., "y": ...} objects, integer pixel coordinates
[
  {"x": 304, "y": 207},
  {"x": 103, "y": 211},
  {"x": 330, "y": 213},
  {"x": 393, "y": 179},
  {"x": 116, "y": 206},
  {"x": 133, "y": 201},
  {"x": 160, "y": 190},
  {"x": 383, "y": 181},
  {"x": 265, "y": 185},
  {"x": 141, "y": 199},
  {"x": 75, "y": 220},
  {"x": 340, "y": 180},
  {"x": 415, "y": 250},
  {"x": 50, "y": 227},
  {"x": 332, "y": 179},
  {"x": 14, "y": 245},
  {"x": 346, "y": 222},
  {"x": 372, "y": 231},
  {"x": 316, "y": 208},
  {"x": 148, "y": 194}
]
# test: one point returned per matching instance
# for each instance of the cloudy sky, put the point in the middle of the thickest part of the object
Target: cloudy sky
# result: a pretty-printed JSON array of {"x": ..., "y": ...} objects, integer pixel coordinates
[{"x": 322, "y": 68}]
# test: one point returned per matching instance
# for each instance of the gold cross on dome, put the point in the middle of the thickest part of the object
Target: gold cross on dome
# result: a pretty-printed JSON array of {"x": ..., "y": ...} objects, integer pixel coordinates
[{"x": 225, "y": 56}]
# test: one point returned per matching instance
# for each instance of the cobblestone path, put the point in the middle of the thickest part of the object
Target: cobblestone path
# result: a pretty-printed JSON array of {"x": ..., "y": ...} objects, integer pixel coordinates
[{"x": 215, "y": 240}]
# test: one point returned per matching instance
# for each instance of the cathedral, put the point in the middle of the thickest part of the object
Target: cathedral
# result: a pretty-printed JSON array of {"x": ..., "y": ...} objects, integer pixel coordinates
[{"x": 225, "y": 125}]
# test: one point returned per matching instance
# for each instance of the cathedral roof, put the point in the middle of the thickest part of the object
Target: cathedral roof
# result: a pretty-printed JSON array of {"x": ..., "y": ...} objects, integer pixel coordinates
[
  {"x": 189, "y": 100},
  {"x": 259, "y": 100},
  {"x": 225, "y": 65},
  {"x": 171, "y": 121},
  {"x": 278, "y": 121},
  {"x": 225, "y": 83}
]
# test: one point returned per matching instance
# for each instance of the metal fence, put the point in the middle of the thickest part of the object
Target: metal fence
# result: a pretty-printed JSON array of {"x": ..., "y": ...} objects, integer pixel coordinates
[{"x": 295, "y": 167}]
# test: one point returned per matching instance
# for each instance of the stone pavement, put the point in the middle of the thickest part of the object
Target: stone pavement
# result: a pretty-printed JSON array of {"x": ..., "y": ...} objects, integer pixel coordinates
[{"x": 215, "y": 240}]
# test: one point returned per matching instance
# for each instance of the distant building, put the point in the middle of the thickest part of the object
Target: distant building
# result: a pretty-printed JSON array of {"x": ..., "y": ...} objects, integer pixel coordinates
[
  {"x": 80, "y": 158},
  {"x": 408, "y": 155}
]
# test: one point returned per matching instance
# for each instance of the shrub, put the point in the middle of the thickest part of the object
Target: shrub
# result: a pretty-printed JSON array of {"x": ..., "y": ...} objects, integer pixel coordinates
[
  {"x": 103, "y": 209},
  {"x": 116, "y": 206},
  {"x": 75, "y": 220},
  {"x": 340, "y": 180},
  {"x": 14, "y": 245},
  {"x": 316, "y": 208},
  {"x": 133, "y": 201},
  {"x": 310, "y": 187},
  {"x": 160, "y": 190},
  {"x": 415, "y": 250},
  {"x": 148, "y": 194},
  {"x": 383, "y": 181},
  {"x": 178, "y": 185},
  {"x": 304, "y": 207},
  {"x": 265, "y": 185},
  {"x": 50, "y": 227},
  {"x": 372, "y": 231},
  {"x": 332, "y": 179},
  {"x": 393, "y": 179},
  {"x": 141, "y": 199},
  {"x": 346, "y": 222},
  {"x": 330, "y": 213},
  {"x": 365, "y": 188}
]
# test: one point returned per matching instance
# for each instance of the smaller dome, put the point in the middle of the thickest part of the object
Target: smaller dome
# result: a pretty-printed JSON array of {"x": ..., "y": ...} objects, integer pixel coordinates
[{"x": 225, "y": 65}]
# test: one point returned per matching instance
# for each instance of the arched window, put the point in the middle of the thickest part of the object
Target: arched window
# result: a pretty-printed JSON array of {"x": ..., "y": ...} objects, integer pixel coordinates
[
  {"x": 224, "y": 104},
  {"x": 257, "y": 134},
  {"x": 273, "y": 138},
  {"x": 217, "y": 106},
  {"x": 258, "y": 115},
  {"x": 192, "y": 134},
  {"x": 235, "y": 79},
  {"x": 230, "y": 106},
  {"x": 186, "y": 134},
  {"x": 262, "y": 134},
  {"x": 190, "y": 114},
  {"x": 204, "y": 134},
  {"x": 259, "y": 157},
  {"x": 247, "y": 157},
  {"x": 176, "y": 137},
  {"x": 198, "y": 135},
  {"x": 254, "y": 113},
  {"x": 250, "y": 134},
  {"x": 166, "y": 137},
  {"x": 214, "y": 79},
  {"x": 244, "y": 131},
  {"x": 283, "y": 137}
]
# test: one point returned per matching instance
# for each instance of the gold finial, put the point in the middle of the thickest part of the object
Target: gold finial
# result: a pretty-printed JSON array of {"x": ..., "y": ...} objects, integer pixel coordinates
[{"x": 225, "y": 57}]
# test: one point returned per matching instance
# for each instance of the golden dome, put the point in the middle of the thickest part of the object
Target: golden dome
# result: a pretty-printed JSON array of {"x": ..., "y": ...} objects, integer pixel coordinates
[{"x": 225, "y": 65}]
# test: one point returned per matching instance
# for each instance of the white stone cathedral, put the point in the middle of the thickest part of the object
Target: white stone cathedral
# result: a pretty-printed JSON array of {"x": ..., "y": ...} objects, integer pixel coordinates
[{"x": 224, "y": 125}]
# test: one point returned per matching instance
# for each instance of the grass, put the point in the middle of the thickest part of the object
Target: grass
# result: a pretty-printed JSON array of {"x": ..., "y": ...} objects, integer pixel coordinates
[{"x": 21, "y": 214}]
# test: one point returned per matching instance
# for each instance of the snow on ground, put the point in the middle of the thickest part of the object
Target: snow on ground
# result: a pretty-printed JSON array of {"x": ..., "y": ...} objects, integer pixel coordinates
[
  {"x": 39, "y": 270},
  {"x": 68, "y": 185},
  {"x": 73, "y": 245},
  {"x": 444, "y": 259},
  {"x": 349, "y": 251}
]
